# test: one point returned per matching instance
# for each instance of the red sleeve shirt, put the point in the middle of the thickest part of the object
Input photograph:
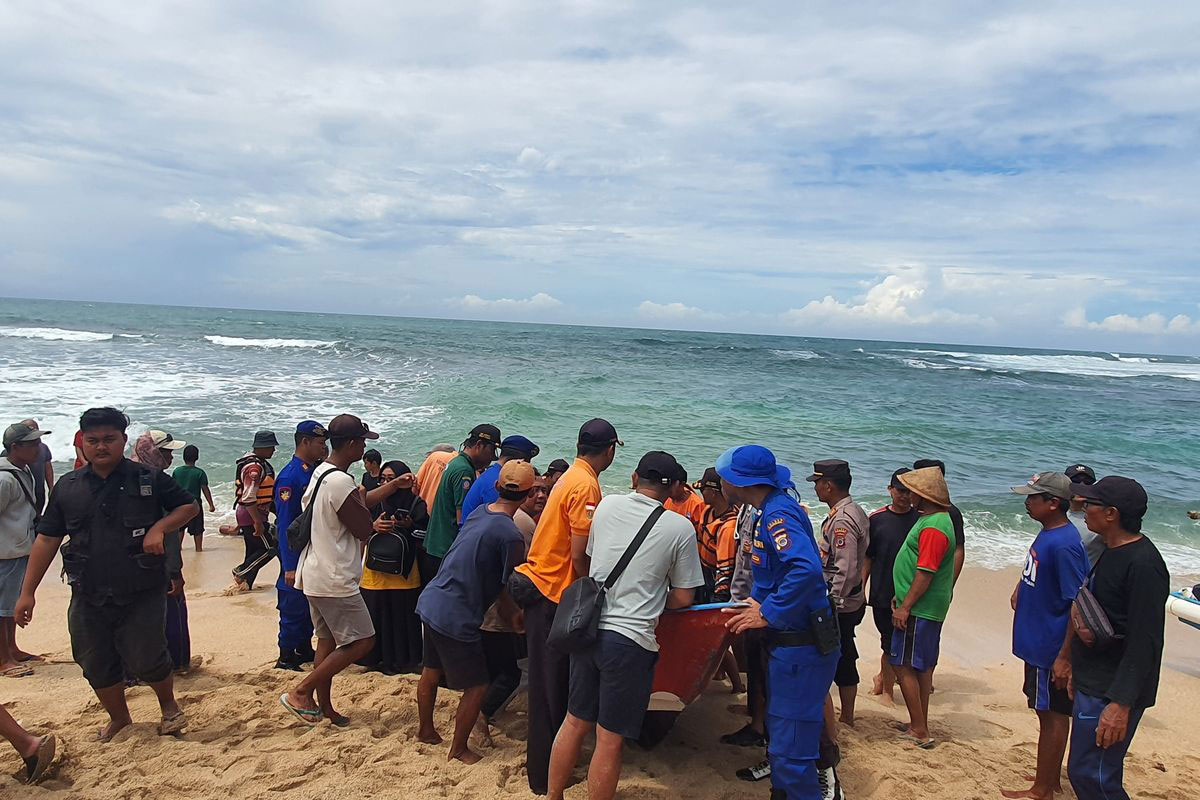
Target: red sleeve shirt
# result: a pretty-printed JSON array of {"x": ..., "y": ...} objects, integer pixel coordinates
[{"x": 931, "y": 549}]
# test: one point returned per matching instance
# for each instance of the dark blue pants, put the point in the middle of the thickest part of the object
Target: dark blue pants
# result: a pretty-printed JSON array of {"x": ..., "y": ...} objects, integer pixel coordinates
[
  {"x": 295, "y": 620},
  {"x": 798, "y": 681},
  {"x": 179, "y": 640},
  {"x": 1097, "y": 774}
]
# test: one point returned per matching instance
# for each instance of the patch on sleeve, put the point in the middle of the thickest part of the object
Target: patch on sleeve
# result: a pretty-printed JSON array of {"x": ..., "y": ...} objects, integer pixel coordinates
[
  {"x": 285, "y": 493},
  {"x": 782, "y": 540},
  {"x": 756, "y": 560},
  {"x": 839, "y": 537},
  {"x": 775, "y": 523},
  {"x": 467, "y": 483}
]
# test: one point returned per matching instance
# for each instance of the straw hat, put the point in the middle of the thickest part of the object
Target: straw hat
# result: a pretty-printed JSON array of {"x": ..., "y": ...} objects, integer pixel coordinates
[{"x": 928, "y": 483}]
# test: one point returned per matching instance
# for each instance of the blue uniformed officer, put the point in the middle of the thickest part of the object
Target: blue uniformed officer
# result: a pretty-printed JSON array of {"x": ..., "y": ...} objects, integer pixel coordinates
[
  {"x": 295, "y": 620},
  {"x": 790, "y": 600}
]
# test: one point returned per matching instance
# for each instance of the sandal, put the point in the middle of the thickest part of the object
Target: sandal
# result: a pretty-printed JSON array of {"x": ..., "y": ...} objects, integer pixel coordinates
[
  {"x": 173, "y": 724},
  {"x": 37, "y": 764},
  {"x": 17, "y": 671},
  {"x": 309, "y": 716}
]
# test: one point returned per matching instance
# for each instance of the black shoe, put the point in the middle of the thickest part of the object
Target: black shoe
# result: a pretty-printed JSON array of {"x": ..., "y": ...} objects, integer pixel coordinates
[
  {"x": 307, "y": 654},
  {"x": 289, "y": 659},
  {"x": 760, "y": 771},
  {"x": 746, "y": 737}
]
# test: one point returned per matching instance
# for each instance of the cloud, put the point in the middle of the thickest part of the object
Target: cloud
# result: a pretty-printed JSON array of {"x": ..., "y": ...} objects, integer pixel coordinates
[
  {"x": 673, "y": 312},
  {"x": 538, "y": 302},
  {"x": 905, "y": 298},
  {"x": 1152, "y": 324}
]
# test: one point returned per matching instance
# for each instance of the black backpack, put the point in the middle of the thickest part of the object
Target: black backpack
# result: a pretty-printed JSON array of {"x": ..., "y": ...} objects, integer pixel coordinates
[{"x": 299, "y": 533}]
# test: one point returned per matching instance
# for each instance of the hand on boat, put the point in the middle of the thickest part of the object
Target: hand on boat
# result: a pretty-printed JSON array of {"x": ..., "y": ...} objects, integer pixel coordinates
[{"x": 745, "y": 618}]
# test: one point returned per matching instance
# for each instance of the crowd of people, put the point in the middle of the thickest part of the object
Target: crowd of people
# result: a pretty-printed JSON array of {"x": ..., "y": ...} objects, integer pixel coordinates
[{"x": 460, "y": 570}]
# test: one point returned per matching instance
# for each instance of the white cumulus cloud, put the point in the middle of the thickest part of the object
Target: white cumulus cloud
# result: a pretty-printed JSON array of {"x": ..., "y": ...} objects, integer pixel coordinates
[
  {"x": 539, "y": 302},
  {"x": 911, "y": 296},
  {"x": 672, "y": 311},
  {"x": 1153, "y": 324}
]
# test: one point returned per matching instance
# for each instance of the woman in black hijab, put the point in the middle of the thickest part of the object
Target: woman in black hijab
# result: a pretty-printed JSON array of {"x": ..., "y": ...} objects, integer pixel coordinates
[{"x": 391, "y": 581}]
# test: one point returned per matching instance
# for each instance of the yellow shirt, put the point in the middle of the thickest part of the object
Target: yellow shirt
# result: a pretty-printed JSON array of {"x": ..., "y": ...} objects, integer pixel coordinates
[
  {"x": 568, "y": 513},
  {"x": 373, "y": 579}
]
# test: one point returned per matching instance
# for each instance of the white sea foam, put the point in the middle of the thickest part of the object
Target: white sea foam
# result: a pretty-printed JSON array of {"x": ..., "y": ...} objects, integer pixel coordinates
[
  {"x": 237, "y": 341},
  {"x": 1063, "y": 364},
  {"x": 796, "y": 355},
  {"x": 56, "y": 334}
]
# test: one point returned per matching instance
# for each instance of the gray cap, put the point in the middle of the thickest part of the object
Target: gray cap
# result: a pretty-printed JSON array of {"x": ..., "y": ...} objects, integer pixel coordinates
[
  {"x": 21, "y": 432},
  {"x": 1055, "y": 484},
  {"x": 265, "y": 439}
]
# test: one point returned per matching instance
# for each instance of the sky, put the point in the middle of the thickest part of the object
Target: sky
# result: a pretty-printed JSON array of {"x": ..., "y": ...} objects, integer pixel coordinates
[{"x": 992, "y": 173}]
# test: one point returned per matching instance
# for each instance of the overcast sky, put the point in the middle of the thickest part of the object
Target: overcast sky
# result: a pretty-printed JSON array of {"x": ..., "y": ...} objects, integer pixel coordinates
[{"x": 1022, "y": 174}]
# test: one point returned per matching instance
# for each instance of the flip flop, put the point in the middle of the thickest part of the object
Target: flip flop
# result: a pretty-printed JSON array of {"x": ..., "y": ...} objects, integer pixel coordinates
[
  {"x": 173, "y": 724},
  {"x": 18, "y": 671},
  {"x": 340, "y": 720},
  {"x": 309, "y": 716},
  {"x": 31, "y": 657},
  {"x": 926, "y": 744},
  {"x": 37, "y": 764}
]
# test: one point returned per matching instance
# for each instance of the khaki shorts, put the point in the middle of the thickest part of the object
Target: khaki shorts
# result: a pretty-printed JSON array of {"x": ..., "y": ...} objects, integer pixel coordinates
[{"x": 343, "y": 619}]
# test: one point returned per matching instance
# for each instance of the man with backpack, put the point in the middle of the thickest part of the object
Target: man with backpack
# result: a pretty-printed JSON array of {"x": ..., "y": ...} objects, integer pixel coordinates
[
  {"x": 611, "y": 679},
  {"x": 329, "y": 568},
  {"x": 19, "y": 510}
]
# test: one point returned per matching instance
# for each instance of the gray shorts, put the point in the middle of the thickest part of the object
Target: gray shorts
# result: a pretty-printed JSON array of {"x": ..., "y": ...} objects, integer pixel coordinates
[
  {"x": 343, "y": 619},
  {"x": 12, "y": 573}
]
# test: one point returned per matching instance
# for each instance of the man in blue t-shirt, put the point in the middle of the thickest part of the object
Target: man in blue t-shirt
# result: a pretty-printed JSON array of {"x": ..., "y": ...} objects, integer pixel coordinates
[
  {"x": 483, "y": 490},
  {"x": 1055, "y": 568}
]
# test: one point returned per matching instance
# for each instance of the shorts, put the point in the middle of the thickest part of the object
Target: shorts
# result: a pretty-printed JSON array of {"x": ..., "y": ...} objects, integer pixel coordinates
[
  {"x": 196, "y": 526},
  {"x": 12, "y": 574},
  {"x": 611, "y": 683},
  {"x": 883, "y": 624},
  {"x": 130, "y": 632},
  {"x": 917, "y": 646},
  {"x": 847, "y": 668},
  {"x": 464, "y": 664},
  {"x": 1043, "y": 695},
  {"x": 343, "y": 619}
]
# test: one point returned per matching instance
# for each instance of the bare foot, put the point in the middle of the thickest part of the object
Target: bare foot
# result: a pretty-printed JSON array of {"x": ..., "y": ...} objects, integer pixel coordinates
[
  {"x": 1029, "y": 793},
  {"x": 1057, "y": 788},
  {"x": 428, "y": 737},
  {"x": 340, "y": 720},
  {"x": 877, "y": 686},
  {"x": 23, "y": 657},
  {"x": 466, "y": 756},
  {"x": 113, "y": 727},
  {"x": 483, "y": 733},
  {"x": 849, "y": 721}
]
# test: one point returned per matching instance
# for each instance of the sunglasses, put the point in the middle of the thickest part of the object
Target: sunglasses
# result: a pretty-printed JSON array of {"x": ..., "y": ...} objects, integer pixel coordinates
[{"x": 1095, "y": 504}]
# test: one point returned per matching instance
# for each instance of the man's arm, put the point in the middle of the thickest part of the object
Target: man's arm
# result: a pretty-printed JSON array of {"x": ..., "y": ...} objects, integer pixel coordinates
[
  {"x": 960, "y": 558},
  {"x": 789, "y": 540},
  {"x": 173, "y": 521},
  {"x": 580, "y": 560},
  {"x": 920, "y": 585},
  {"x": 385, "y": 490},
  {"x": 680, "y": 598},
  {"x": 49, "y": 476},
  {"x": 356, "y": 516},
  {"x": 43, "y": 552},
  {"x": 208, "y": 497}
]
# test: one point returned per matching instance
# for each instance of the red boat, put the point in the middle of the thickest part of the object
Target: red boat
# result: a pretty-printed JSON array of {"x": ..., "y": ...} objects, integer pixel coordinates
[{"x": 691, "y": 642}]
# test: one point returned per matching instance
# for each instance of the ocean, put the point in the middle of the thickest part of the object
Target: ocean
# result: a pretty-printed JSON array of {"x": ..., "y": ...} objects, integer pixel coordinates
[{"x": 994, "y": 415}]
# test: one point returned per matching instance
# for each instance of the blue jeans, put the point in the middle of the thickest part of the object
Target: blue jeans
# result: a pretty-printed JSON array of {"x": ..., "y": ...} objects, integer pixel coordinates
[{"x": 1097, "y": 774}]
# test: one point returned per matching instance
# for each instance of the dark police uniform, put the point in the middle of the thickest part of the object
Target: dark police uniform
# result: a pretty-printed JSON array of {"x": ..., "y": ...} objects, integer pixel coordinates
[
  {"x": 295, "y": 619},
  {"x": 789, "y": 584},
  {"x": 118, "y": 592}
]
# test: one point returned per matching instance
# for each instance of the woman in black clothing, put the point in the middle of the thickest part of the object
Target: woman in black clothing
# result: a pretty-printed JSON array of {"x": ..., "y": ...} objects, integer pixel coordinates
[{"x": 392, "y": 598}]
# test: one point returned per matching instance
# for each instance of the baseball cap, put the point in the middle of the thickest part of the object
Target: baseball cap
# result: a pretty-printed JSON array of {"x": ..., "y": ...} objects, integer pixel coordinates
[
  {"x": 521, "y": 445},
  {"x": 164, "y": 441},
  {"x": 599, "y": 433},
  {"x": 557, "y": 465},
  {"x": 22, "y": 432},
  {"x": 265, "y": 439},
  {"x": 829, "y": 469},
  {"x": 1124, "y": 494},
  {"x": 516, "y": 476},
  {"x": 896, "y": 482},
  {"x": 348, "y": 426},
  {"x": 659, "y": 467},
  {"x": 752, "y": 465},
  {"x": 486, "y": 433},
  {"x": 1081, "y": 473},
  {"x": 1055, "y": 484},
  {"x": 311, "y": 428},
  {"x": 709, "y": 480}
]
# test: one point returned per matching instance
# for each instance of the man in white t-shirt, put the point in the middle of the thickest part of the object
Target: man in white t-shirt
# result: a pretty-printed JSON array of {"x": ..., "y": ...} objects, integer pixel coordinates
[
  {"x": 611, "y": 680},
  {"x": 330, "y": 568}
]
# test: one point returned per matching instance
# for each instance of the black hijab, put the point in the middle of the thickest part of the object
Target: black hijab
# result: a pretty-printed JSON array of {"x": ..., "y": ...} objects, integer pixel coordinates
[{"x": 405, "y": 499}]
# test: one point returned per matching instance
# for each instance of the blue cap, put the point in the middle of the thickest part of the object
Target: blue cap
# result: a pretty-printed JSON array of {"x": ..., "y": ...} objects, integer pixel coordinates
[
  {"x": 311, "y": 428},
  {"x": 752, "y": 465},
  {"x": 520, "y": 444}
]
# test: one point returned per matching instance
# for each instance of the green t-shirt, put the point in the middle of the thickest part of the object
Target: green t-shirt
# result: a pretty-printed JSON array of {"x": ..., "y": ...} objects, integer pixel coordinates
[
  {"x": 191, "y": 478},
  {"x": 934, "y": 604},
  {"x": 443, "y": 517}
]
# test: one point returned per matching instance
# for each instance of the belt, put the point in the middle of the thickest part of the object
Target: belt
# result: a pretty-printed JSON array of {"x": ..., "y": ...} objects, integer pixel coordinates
[{"x": 789, "y": 638}]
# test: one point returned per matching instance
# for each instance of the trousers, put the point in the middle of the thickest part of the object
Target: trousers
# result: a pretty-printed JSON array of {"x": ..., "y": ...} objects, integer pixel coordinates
[
  {"x": 798, "y": 681},
  {"x": 1097, "y": 774},
  {"x": 295, "y": 619}
]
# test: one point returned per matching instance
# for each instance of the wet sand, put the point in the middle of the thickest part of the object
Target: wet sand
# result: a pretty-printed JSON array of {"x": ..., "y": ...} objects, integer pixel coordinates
[{"x": 241, "y": 744}]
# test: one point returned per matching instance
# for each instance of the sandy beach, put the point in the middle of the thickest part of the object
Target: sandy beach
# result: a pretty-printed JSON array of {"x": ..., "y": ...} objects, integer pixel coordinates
[{"x": 240, "y": 744}]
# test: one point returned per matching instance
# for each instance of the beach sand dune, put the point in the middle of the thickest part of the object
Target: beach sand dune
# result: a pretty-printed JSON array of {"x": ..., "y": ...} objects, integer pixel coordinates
[{"x": 240, "y": 744}]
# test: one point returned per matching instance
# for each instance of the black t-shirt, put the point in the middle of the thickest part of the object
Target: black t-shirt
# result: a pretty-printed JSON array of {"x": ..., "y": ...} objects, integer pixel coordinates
[
  {"x": 370, "y": 483},
  {"x": 960, "y": 529},
  {"x": 1131, "y": 584},
  {"x": 106, "y": 519},
  {"x": 888, "y": 532}
]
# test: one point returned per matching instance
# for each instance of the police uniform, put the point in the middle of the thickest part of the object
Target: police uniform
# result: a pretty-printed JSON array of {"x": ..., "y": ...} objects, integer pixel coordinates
[
  {"x": 117, "y": 614},
  {"x": 295, "y": 620},
  {"x": 789, "y": 585},
  {"x": 845, "y": 534}
]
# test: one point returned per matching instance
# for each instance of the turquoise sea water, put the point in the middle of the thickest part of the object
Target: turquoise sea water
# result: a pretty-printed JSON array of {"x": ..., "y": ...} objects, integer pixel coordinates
[{"x": 995, "y": 415}]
